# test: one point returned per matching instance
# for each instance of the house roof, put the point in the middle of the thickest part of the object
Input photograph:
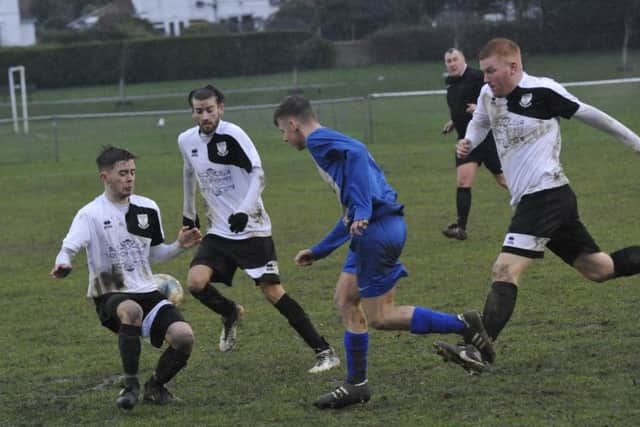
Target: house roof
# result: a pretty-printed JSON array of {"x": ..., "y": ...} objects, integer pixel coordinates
[{"x": 116, "y": 7}]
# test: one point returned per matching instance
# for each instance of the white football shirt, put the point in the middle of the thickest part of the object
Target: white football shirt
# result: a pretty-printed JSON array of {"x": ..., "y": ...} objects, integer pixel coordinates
[
  {"x": 526, "y": 129},
  {"x": 117, "y": 239},
  {"x": 228, "y": 170}
]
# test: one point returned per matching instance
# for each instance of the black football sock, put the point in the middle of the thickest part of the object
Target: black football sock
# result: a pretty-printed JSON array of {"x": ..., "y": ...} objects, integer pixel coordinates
[
  {"x": 299, "y": 321},
  {"x": 129, "y": 345},
  {"x": 626, "y": 262},
  {"x": 498, "y": 307},
  {"x": 463, "y": 203},
  {"x": 210, "y": 297},
  {"x": 169, "y": 364}
]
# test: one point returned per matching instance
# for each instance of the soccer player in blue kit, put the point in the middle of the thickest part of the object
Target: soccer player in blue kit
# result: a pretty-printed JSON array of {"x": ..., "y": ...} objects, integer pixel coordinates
[{"x": 374, "y": 224}]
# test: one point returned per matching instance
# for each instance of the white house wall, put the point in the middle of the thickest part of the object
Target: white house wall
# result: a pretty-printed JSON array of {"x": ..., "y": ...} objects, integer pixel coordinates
[
  {"x": 13, "y": 31},
  {"x": 257, "y": 8},
  {"x": 174, "y": 13},
  {"x": 27, "y": 33}
]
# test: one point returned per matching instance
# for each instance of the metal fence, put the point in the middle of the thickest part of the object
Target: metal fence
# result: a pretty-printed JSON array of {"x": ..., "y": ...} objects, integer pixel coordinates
[{"x": 385, "y": 116}]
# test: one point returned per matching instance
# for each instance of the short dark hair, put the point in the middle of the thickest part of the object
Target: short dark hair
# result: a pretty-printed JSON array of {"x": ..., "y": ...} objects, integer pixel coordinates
[
  {"x": 295, "y": 105},
  {"x": 110, "y": 155},
  {"x": 205, "y": 92}
]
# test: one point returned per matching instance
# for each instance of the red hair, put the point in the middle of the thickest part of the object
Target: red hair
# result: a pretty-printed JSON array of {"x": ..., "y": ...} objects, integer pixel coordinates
[{"x": 501, "y": 47}]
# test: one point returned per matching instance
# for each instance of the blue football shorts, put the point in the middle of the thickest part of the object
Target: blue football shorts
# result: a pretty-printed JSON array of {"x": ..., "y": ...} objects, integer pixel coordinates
[{"x": 374, "y": 256}]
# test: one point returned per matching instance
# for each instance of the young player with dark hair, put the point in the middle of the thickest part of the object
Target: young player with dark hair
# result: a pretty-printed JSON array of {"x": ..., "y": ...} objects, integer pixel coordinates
[
  {"x": 524, "y": 114},
  {"x": 122, "y": 233},
  {"x": 373, "y": 223},
  {"x": 463, "y": 88},
  {"x": 221, "y": 159}
]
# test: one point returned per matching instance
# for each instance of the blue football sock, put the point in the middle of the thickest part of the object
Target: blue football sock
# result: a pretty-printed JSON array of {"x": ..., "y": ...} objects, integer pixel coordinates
[
  {"x": 425, "y": 321},
  {"x": 356, "y": 347}
]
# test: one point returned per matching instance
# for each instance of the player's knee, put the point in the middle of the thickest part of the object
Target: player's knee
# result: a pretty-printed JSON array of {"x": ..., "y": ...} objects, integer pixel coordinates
[
  {"x": 272, "y": 292},
  {"x": 196, "y": 281},
  {"x": 378, "y": 324},
  {"x": 339, "y": 302},
  {"x": 344, "y": 304},
  {"x": 182, "y": 339},
  {"x": 130, "y": 312},
  {"x": 597, "y": 275},
  {"x": 464, "y": 182},
  {"x": 184, "y": 343},
  {"x": 501, "y": 272},
  {"x": 597, "y": 267}
]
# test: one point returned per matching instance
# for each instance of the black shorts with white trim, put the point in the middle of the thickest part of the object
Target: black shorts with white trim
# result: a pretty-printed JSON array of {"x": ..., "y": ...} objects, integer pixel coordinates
[
  {"x": 107, "y": 306},
  {"x": 255, "y": 255},
  {"x": 549, "y": 218}
]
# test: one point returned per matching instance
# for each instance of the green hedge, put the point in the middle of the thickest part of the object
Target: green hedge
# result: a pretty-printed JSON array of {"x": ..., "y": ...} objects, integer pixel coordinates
[
  {"x": 160, "y": 59},
  {"x": 421, "y": 44},
  {"x": 408, "y": 44}
]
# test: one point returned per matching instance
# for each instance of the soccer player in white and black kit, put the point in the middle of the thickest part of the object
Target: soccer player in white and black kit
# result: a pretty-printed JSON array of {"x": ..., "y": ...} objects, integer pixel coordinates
[
  {"x": 221, "y": 159},
  {"x": 122, "y": 234},
  {"x": 524, "y": 114},
  {"x": 463, "y": 87}
]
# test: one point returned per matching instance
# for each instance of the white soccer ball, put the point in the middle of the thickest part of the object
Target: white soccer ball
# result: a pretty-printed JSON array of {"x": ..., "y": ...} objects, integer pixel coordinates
[
  {"x": 170, "y": 287},
  {"x": 161, "y": 122}
]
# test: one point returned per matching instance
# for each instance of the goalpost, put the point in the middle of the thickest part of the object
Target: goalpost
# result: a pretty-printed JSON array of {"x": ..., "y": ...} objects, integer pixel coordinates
[{"x": 23, "y": 92}]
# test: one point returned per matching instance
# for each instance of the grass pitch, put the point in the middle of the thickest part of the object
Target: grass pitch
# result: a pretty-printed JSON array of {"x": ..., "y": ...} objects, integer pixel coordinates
[{"x": 567, "y": 357}]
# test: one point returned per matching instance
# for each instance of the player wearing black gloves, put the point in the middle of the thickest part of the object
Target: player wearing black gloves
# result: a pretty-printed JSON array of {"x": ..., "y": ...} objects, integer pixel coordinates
[{"x": 221, "y": 159}]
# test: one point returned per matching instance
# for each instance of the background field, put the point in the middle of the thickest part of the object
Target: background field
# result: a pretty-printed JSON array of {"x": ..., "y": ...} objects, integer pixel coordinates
[{"x": 568, "y": 357}]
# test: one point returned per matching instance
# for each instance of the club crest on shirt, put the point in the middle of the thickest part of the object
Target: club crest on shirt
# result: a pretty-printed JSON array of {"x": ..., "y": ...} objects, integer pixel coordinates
[
  {"x": 194, "y": 152},
  {"x": 221, "y": 148},
  {"x": 143, "y": 221},
  {"x": 525, "y": 100}
]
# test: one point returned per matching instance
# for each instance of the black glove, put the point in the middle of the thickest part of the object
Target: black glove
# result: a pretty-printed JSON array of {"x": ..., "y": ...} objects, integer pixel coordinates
[
  {"x": 62, "y": 272},
  {"x": 238, "y": 221},
  {"x": 187, "y": 222}
]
